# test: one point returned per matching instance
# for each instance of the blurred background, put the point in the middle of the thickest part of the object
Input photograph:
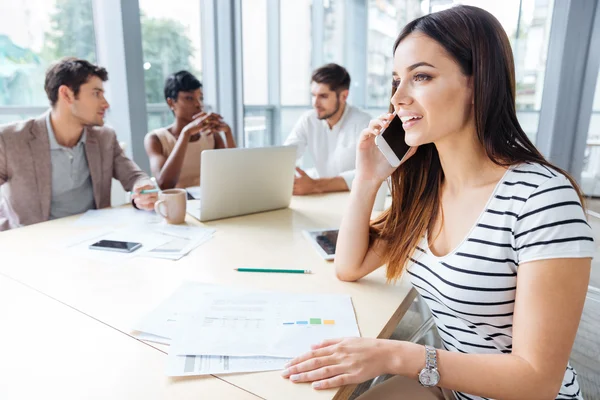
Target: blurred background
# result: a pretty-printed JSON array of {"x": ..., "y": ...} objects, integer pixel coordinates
[{"x": 255, "y": 59}]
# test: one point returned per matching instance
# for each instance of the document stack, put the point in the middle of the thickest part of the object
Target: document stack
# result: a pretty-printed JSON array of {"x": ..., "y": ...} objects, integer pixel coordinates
[{"x": 215, "y": 329}]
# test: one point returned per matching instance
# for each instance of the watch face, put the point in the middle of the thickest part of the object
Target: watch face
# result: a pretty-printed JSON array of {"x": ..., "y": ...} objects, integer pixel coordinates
[{"x": 429, "y": 377}]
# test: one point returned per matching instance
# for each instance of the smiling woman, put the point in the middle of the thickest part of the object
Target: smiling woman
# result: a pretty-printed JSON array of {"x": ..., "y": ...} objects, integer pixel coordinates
[{"x": 491, "y": 235}]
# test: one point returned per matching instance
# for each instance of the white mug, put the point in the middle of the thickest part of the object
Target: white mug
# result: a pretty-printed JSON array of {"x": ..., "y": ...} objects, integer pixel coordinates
[{"x": 171, "y": 205}]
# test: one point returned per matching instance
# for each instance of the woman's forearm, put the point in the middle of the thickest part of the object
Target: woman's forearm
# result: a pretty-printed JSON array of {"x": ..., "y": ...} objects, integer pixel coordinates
[
  {"x": 353, "y": 239},
  {"x": 497, "y": 376}
]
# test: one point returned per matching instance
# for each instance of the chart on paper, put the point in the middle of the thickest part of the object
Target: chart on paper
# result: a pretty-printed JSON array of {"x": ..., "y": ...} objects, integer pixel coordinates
[
  {"x": 311, "y": 322},
  {"x": 233, "y": 323},
  {"x": 265, "y": 324}
]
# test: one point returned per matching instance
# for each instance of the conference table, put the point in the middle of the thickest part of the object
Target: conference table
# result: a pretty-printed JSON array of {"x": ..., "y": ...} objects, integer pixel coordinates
[
  {"x": 80, "y": 311},
  {"x": 51, "y": 351}
]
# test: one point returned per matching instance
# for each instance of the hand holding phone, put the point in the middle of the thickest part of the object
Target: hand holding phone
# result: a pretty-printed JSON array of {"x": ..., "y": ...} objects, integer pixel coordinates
[
  {"x": 390, "y": 142},
  {"x": 371, "y": 163}
]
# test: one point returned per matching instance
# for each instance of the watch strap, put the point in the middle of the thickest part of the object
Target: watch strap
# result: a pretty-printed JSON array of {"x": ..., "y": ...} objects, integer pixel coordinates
[{"x": 430, "y": 357}]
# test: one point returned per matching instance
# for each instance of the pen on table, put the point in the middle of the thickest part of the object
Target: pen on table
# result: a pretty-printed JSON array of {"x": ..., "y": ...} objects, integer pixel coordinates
[{"x": 285, "y": 271}]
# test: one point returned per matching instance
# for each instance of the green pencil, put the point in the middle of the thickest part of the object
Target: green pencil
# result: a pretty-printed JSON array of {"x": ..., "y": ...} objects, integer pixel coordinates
[{"x": 285, "y": 271}]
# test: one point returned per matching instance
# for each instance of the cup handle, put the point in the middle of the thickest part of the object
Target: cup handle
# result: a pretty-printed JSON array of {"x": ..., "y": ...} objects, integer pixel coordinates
[{"x": 158, "y": 209}]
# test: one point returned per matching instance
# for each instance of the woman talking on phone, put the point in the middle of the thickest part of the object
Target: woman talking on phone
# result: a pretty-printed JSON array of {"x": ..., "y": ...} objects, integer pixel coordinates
[{"x": 491, "y": 235}]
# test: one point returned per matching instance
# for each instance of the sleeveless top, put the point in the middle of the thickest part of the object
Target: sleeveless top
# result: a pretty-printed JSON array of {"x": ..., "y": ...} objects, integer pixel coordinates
[{"x": 190, "y": 169}]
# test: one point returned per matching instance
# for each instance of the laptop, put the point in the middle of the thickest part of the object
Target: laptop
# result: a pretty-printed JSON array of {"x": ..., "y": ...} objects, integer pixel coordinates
[{"x": 243, "y": 181}]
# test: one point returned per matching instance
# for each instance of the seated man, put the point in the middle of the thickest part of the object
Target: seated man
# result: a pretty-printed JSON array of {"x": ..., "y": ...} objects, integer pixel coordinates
[
  {"x": 174, "y": 151},
  {"x": 62, "y": 162},
  {"x": 330, "y": 132}
]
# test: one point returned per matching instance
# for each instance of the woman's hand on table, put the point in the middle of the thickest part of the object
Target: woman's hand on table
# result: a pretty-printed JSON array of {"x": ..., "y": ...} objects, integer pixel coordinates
[{"x": 339, "y": 362}]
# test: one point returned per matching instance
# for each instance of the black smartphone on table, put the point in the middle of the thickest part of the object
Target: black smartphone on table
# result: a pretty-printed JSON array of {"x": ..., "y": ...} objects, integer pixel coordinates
[{"x": 116, "y": 245}]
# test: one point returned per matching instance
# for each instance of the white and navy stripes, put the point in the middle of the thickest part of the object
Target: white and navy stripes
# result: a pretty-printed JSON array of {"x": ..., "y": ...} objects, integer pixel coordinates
[{"x": 533, "y": 214}]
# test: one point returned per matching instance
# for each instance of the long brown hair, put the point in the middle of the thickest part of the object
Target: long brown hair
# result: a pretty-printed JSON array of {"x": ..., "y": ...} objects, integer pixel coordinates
[{"x": 477, "y": 42}]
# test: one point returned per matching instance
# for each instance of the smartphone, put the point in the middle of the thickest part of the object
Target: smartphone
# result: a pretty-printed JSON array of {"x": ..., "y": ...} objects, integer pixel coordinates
[
  {"x": 115, "y": 245},
  {"x": 323, "y": 241},
  {"x": 391, "y": 142}
]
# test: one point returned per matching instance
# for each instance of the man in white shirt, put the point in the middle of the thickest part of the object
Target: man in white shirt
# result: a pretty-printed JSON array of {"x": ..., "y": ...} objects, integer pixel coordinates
[{"x": 330, "y": 133}]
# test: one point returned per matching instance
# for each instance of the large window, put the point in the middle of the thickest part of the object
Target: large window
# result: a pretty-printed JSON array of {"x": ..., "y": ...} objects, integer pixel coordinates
[
  {"x": 315, "y": 32},
  {"x": 268, "y": 119},
  {"x": 33, "y": 34},
  {"x": 255, "y": 71},
  {"x": 296, "y": 46},
  {"x": 170, "y": 43},
  {"x": 334, "y": 32},
  {"x": 295, "y": 50},
  {"x": 254, "y": 38},
  {"x": 590, "y": 175}
]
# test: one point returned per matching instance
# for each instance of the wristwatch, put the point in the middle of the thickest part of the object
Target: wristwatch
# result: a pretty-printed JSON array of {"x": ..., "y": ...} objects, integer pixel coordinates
[{"x": 429, "y": 376}]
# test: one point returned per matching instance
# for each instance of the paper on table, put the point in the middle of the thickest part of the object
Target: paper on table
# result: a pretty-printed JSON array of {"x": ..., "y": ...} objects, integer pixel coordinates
[
  {"x": 184, "y": 231},
  {"x": 175, "y": 250},
  {"x": 183, "y": 239},
  {"x": 264, "y": 324},
  {"x": 203, "y": 365},
  {"x": 185, "y": 301},
  {"x": 117, "y": 216},
  {"x": 151, "y": 338}
]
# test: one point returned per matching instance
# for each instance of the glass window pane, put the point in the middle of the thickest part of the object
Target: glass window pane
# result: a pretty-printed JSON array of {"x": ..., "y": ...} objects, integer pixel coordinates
[
  {"x": 35, "y": 33},
  {"x": 257, "y": 114},
  {"x": 254, "y": 43},
  {"x": 386, "y": 18},
  {"x": 295, "y": 50},
  {"x": 530, "y": 49},
  {"x": 590, "y": 174},
  {"x": 171, "y": 42},
  {"x": 333, "y": 32},
  {"x": 257, "y": 124}
]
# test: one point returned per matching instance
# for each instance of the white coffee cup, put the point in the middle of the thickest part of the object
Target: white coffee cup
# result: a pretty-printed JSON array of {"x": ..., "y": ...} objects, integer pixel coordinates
[{"x": 171, "y": 205}]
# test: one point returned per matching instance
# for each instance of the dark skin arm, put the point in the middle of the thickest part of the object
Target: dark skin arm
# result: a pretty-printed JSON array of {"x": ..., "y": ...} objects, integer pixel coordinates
[
  {"x": 228, "y": 135},
  {"x": 219, "y": 143},
  {"x": 229, "y": 142}
]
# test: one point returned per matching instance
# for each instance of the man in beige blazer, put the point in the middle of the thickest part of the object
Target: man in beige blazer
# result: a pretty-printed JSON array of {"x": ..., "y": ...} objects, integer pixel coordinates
[{"x": 62, "y": 162}]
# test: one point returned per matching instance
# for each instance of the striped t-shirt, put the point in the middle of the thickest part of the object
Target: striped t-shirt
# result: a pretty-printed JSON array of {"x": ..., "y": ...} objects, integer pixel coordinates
[{"x": 533, "y": 214}]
